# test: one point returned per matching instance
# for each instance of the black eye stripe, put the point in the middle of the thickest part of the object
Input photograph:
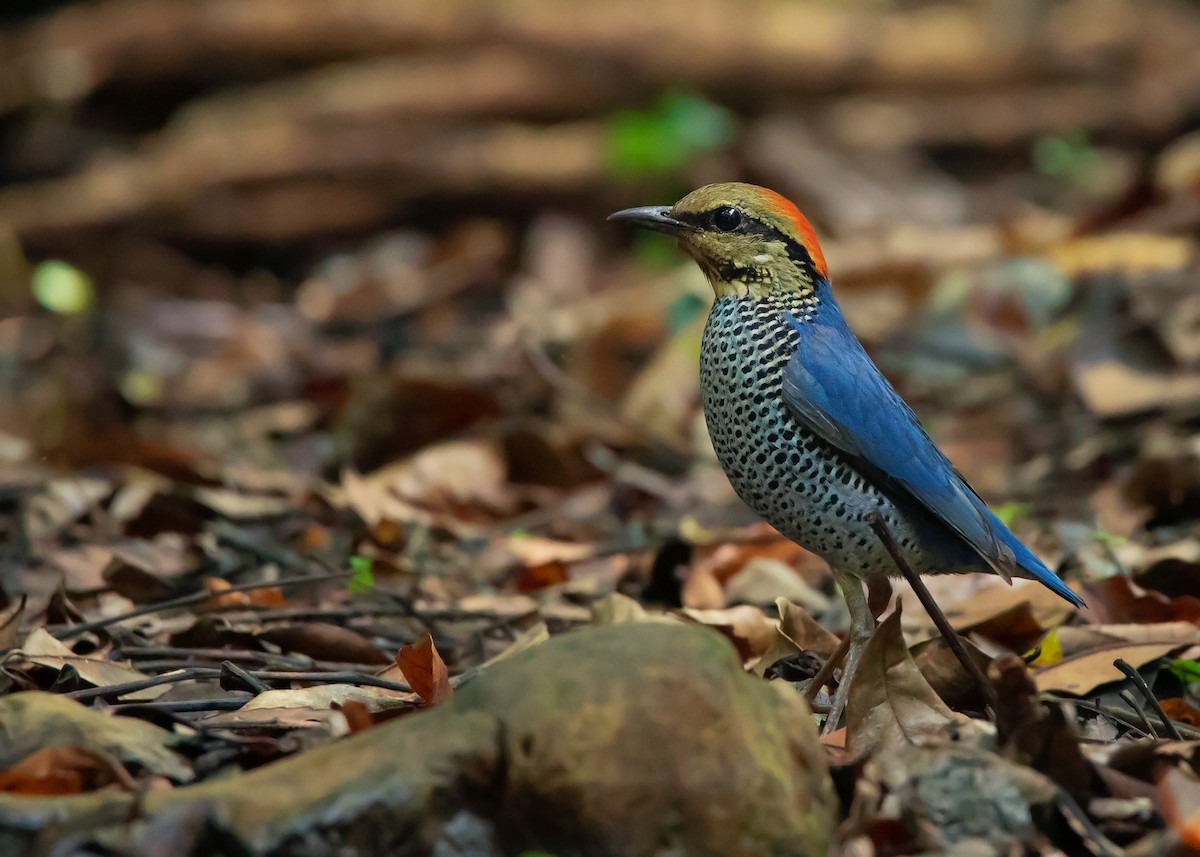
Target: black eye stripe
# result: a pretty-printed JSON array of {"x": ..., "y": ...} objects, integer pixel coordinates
[{"x": 751, "y": 225}]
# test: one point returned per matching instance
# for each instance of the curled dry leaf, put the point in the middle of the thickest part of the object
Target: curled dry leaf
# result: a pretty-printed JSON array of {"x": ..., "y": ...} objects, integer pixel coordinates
[
  {"x": 890, "y": 702},
  {"x": 803, "y": 630},
  {"x": 795, "y": 632},
  {"x": 425, "y": 670},
  {"x": 44, "y": 650}
]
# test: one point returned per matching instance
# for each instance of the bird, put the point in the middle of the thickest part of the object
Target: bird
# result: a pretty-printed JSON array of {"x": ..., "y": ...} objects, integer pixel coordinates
[{"x": 812, "y": 436}]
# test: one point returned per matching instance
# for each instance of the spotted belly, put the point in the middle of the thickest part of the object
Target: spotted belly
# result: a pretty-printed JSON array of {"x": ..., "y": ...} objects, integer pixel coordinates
[{"x": 799, "y": 484}]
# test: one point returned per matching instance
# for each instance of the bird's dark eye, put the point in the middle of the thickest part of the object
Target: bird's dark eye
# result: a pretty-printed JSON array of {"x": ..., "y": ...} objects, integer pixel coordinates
[{"x": 727, "y": 218}]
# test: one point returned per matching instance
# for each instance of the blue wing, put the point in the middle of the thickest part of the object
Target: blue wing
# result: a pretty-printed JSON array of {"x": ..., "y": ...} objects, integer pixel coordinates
[{"x": 834, "y": 388}]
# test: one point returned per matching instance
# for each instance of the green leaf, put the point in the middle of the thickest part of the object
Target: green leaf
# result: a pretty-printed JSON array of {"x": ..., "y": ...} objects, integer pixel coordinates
[
  {"x": 1070, "y": 155},
  {"x": 655, "y": 252},
  {"x": 1010, "y": 513},
  {"x": 666, "y": 137},
  {"x": 62, "y": 288},
  {"x": 1107, "y": 538},
  {"x": 363, "y": 579},
  {"x": 1187, "y": 671}
]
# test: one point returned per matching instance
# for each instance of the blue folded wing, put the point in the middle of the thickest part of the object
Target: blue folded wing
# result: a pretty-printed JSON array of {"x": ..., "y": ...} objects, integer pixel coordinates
[{"x": 834, "y": 388}]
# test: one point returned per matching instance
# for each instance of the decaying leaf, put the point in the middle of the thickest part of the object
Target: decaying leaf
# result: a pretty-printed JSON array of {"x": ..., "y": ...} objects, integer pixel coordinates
[
  {"x": 62, "y": 770},
  {"x": 33, "y": 720},
  {"x": 890, "y": 702}
]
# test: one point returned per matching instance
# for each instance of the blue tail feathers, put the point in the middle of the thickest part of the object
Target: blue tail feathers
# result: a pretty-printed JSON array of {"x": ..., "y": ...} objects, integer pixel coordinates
[{"x": 1026, "y": 560}]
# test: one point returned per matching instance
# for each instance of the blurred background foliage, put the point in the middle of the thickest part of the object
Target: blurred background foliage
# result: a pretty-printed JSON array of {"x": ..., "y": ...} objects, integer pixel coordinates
[{"x": 310, "y": 237}]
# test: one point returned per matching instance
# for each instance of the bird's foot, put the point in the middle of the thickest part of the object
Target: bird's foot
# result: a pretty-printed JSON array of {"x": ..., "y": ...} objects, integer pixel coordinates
[{"x": 858, "y": 643}]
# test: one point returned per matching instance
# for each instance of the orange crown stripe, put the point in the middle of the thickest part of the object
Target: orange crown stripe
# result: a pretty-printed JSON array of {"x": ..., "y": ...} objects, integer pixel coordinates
[{"x": 804, "y": 229}]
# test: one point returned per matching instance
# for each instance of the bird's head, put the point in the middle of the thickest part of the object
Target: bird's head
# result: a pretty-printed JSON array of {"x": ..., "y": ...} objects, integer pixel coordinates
[{"x": 748, "y": 240}]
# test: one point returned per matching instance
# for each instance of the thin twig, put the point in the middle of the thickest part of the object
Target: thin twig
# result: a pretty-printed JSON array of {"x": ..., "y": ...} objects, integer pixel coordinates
[
  {"x": 115, "y": 691},
  {"x": 250, "y": 682},
  {"x": 1189, "y": 733},
  {"x": 1078, "y": 819},
  {"x": 1132, "y": 702},
  {"x": 187, "y": 601},
  {"x": 939, "y": 619},
  {"x": 224, "y": 703},
  {"x": 1136, "y": 677},
  {"x": 255, "y": 678}
]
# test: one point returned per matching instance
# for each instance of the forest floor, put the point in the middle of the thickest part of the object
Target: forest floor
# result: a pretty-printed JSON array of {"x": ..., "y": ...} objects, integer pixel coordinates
[{"x": 333, "y": 408}]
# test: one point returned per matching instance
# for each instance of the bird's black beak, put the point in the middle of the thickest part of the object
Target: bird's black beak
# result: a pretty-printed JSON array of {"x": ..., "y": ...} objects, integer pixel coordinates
[{"x": 656, "y": 217}]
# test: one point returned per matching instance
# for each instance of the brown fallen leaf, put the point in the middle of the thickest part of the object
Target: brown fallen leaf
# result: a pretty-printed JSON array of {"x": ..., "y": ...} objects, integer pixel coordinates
[
  {"x": 762, "y": 580},
  {"x": 1078, "y": 639},
  {"x": 460, "y": 485},
  {"x": 60, "y": 503},
  {"x": 425, "y": 670},
  {"x": 1112, "y": 389},
  {"x": 358, "y": 717},
  {"x": 701, "y": 589},
  {"x": 1081, "y": 674},
  {"x": 946, "y": 675},
  {"x": 1038, "y": 732},
  {"x": 1179, "y": 797},
  {"x": 994, "y": 601},
  {"x": 41, "y": 648},
  {"x": 1118, "y": 599},
  {"x": 1180, "y": 709},
  {"x": 531, "y": 578},
  {"x": 34, "y": 720},
  {"x": 10, "y": 622},
  {"x": 62, "y": 770},
  {"x": 796, "y": 632},
  {"x": 240, "y": 506},
  {"x": 747, "y": 627},
  {"x": 325, "y": 642},
  {"x": 890, "y": 702},
  {"x": 803, "y": 630},
  {"x": 219, "y": 588}
]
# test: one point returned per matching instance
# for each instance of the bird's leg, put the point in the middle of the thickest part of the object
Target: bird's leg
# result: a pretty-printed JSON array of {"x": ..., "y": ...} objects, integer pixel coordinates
[
  {"x": 862, "y": 625},
  {"x": 825, "y": 673}
]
